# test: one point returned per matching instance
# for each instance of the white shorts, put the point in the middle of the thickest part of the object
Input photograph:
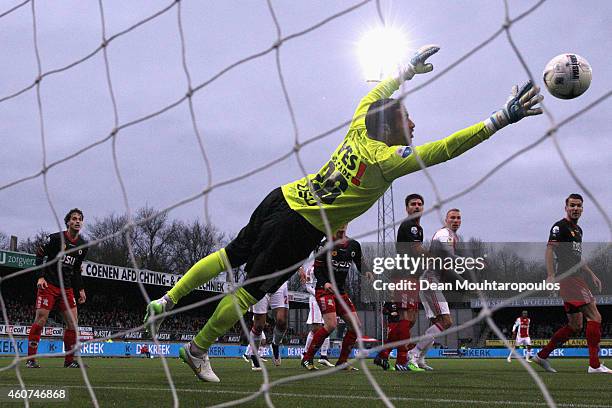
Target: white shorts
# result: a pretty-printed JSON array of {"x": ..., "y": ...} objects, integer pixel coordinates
[
  {"x": 434, "y": 303},
  {"x": 280, "y": 298},
  {"x": 523, "y": 341},
  {"x": 314, "y": 314}
]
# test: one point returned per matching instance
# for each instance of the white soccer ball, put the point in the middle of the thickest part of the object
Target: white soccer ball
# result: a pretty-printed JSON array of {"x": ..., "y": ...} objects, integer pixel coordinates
[{"x": 567, "y": 76}]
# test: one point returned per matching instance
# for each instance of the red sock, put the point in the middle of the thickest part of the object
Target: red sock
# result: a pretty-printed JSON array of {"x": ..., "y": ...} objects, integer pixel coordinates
[
  {"x": 392, "y": 335},
  {"x": 347, "y": 345},
  {"x": 34, "y": 338},
  {"x": 317, "y": 340},
  {"x": 404, "y": 334},
  {"x": 560, "y": 337},
  {"x": 593, "y": 335},
  {"x": 69, "y": 342}
]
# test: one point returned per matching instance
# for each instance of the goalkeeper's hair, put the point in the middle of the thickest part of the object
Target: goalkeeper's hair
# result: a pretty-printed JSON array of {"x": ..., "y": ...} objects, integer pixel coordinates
[
  {"x": 69, "y": 214},
  {"x": 381, "y": 113},
  {"x": 575, "y": 196},
  {"x": 414, "y": 196}
]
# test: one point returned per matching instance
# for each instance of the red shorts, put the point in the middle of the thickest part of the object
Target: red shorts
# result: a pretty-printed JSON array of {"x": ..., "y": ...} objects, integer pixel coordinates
[
  {"x": 46, "y": 298},
  {"x": 407, "y": 299},
  {"x": 329, "y": 304}
]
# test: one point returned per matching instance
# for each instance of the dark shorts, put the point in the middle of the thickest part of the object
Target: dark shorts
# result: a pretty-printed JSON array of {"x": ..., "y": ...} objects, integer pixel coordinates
[{"x": 275, "y": 238}]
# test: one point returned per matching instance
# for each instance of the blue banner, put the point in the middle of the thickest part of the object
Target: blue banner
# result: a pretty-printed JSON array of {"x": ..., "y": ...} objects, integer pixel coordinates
[{"x": 133, "y": 349}]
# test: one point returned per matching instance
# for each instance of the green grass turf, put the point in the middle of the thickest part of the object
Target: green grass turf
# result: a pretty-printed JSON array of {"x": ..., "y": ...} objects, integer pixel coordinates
[{"x": 456, "y": 383}]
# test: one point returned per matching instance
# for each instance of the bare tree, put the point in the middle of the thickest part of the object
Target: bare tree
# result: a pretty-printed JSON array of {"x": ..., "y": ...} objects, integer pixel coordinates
[
  {"x": 154, "y": 238},
  {"x": 31, "y": 244},
  {"x": 113, "y": 250},
  {"x": 4, "y": 241}
]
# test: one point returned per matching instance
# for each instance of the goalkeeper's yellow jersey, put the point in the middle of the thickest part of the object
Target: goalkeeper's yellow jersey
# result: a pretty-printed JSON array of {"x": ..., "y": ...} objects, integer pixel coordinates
[{"x": 361, "y": 169}]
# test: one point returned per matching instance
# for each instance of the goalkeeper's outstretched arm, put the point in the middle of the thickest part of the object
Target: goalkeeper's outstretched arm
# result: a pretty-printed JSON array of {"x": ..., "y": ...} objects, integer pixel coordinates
[{"x": 522, "y": 103}]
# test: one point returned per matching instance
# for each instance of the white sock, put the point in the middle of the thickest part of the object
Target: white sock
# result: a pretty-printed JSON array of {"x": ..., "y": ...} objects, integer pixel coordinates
[
  {"x": 427, "y": 341},
  {"x": 256, "y": 340},
  {"x": 308, "y": 340},
  {"x": 249, "y": 350},
  {"x": 325, "y": 347},
  {"x": 510, "y": 355}
]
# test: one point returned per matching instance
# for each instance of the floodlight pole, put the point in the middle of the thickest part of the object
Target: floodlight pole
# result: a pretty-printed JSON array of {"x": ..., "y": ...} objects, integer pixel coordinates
[{"x": 386, "y": 234}]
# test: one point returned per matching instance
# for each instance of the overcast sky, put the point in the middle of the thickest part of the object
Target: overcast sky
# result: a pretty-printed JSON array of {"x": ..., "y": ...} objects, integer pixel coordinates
[{"x": 245, "y": 123}]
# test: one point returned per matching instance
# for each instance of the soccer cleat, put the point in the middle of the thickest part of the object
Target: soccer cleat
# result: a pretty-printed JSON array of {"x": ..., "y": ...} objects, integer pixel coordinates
[
  {"x": 346, "y": 367},
  {"x": 255, "y": 366},
  {"x": 309, "y": 365},
  {"x": 200, "y": 365},
  {"x": 156, "y": 307},
  {"x": 602, "y": 369},
  {"x": 422, "y": 364},
  {"x": 73, "y": 364},
  {"x": 415, "y": 368},
  {"x": 382, "y": 363},
  {"x": 509, "y": 359},
  {"x": 276, "y": 358},
  {"x": 544, "y": 363},
  {"x": 32, "y": 364},
  {"x": 246, "y": 358},
  {"x": 324, "y": 361}
]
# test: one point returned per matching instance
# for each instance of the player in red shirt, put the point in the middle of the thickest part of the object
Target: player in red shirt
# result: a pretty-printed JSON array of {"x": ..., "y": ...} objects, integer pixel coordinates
[
  {"x": 564, "y": 251},
  {"x": 520, "y": 331},
  {"x": 49, "y": 286}
]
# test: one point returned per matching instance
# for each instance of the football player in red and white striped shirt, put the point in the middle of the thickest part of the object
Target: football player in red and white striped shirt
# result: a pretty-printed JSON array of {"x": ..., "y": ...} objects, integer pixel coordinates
[{"x": 520, "y": 331}]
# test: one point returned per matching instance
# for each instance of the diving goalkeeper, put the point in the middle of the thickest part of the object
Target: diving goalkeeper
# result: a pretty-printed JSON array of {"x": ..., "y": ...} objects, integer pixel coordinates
[{"x": 289, "y": 224}]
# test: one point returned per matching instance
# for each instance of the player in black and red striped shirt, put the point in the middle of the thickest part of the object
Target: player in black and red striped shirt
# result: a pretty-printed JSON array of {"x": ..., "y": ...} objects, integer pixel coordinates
[{"x": 49, "y": 285}]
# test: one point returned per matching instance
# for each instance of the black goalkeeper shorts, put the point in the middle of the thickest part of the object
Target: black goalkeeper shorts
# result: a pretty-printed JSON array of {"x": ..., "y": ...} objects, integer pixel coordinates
[{"x": 275, "y": 238}]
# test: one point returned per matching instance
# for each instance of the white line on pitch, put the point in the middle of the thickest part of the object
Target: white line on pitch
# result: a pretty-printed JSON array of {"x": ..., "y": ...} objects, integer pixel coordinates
[{"x": 313, "y": 396}]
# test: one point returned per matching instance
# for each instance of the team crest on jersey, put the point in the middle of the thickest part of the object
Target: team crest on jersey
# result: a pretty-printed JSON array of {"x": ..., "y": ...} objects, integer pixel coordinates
[
  {"x": 334, "y": 253},
  {"x": 403, "y": 151},
  {"x": 555, "y": 230},
  {"x": 414, "y": 230}
]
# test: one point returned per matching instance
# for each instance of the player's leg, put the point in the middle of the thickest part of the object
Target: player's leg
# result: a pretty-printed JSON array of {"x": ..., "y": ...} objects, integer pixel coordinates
[
  {"x": 512, "y": 347},
  {"x": 34, "y": 336},
  {"x": 593, "y": 335},
  {"x": 574, "y": 325},
  {"x": 353, "y": 324},
  {"x": 70, "y": 316},
  {"x": 237, "y": 253},
  {"x": 283, "y": 240},
  {"x": 407, "y": 318},
  {"x": 437, "y": 310},
  {"x": 382, "y": 359},
  {"x": 328, "y": 310},
  {"x": 259, "y": 322},
  {"x": 203, "y": 271},
  {"x": 528, "y": 348},
  {"x": 279, "y": 302},
  {"x": 45, "y": 301}
]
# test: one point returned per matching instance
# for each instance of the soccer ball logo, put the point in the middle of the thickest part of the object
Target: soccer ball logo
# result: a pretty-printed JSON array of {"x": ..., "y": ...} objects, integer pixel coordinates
[{"x": 567, "y": 76}]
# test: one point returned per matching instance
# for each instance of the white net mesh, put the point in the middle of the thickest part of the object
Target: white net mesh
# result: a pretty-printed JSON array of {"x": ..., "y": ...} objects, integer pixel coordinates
[{"x": 190, "y": 49}]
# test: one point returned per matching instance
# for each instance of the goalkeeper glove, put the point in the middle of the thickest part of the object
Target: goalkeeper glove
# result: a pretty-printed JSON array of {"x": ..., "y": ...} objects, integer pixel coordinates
[
  {"x": 417, "y": 63},
  {"x": 519, "y": 105}
]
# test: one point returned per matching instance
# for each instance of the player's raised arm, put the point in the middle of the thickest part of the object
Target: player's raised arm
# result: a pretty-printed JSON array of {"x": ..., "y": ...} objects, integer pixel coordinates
[
  {"x": 386, "y": 88},
  {"x": 396, "y": 162}
]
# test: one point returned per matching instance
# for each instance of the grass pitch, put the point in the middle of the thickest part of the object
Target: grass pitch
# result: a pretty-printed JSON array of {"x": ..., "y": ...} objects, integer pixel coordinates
[{"x": 457, "y": 383}]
